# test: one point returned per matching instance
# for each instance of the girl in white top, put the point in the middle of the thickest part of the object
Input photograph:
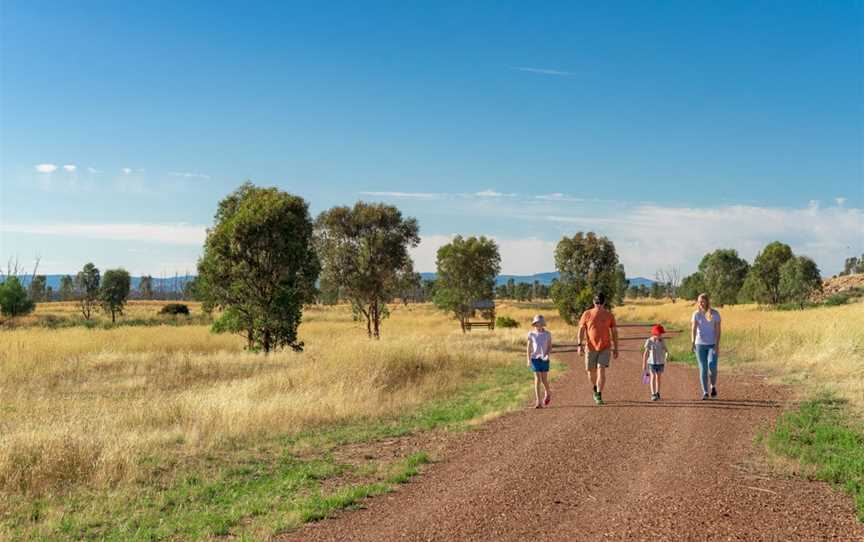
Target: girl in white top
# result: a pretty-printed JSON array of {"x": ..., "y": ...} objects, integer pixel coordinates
[{"x": 539, "y": 346}]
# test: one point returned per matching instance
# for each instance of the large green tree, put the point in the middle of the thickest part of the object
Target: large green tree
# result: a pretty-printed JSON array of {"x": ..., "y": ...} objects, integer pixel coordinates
[
  {"x": 363, "y": 249},
  {"x": 87, "y": 289},
  {"x": 466, "y": 271},
  {"x": 259, "y": 266},
  {"x": 799, "y": 279},
  {"x": 114, "y": 291},
  {"x": 588, "y": 265},
  {"x": 723, "y": 272},
  {"x": 14, "y": 300},
  {"x": 764, "y": 283}
]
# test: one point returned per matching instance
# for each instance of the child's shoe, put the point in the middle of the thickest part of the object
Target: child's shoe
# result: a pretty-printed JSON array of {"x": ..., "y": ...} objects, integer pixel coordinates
[
  {"x": 655, "y": 397},
  {"x": 547, "y": 399}
]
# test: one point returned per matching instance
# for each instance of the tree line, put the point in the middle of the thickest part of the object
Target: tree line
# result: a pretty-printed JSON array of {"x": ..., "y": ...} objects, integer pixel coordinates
[
  {"x": 265, "y": 258},
  {"x": 777, "y": 276},
  {"x": 108, "y": 292}
]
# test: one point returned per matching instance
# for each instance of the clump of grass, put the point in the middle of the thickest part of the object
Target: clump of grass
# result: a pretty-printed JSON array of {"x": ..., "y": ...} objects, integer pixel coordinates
[
  {"x": 505, "y": 322},
  {"x": 822, "y": 438}
]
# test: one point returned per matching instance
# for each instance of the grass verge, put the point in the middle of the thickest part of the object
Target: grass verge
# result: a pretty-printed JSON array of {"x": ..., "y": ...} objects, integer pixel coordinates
[
  {"x": 250, "y": 492},
  {"x": 821, "y": 437}
]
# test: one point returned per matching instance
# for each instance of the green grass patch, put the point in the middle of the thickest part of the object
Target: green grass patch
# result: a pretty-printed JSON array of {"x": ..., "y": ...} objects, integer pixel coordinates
[
  {"x": 251, "y": 490},
  {"x": 822, "y": 438}
]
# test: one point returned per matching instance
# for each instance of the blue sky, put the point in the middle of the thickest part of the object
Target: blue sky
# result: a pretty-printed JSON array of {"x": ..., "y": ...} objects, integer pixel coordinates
[{"x": 673, "y": 128}]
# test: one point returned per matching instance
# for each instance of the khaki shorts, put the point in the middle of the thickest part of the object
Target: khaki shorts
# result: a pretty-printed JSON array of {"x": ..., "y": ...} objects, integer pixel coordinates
[{"x": 593, "y": 359}]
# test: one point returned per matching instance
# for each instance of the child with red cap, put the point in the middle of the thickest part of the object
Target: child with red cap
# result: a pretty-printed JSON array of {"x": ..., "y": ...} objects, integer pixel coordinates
[{"x": 654, "y": 359}]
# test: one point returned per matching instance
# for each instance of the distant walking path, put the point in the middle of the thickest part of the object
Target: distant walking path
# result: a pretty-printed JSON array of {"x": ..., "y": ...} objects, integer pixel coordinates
[{"x": 678, "y": 469}]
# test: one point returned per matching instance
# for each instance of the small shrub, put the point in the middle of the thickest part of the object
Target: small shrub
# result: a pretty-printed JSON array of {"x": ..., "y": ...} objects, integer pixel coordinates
[
  {"x": 506, "y": 322},
  {"x": 175, "y": 309}
]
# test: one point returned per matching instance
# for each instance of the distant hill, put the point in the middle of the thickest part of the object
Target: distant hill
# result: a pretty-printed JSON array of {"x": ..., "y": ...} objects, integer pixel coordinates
[{"x": 543, "y": 278}]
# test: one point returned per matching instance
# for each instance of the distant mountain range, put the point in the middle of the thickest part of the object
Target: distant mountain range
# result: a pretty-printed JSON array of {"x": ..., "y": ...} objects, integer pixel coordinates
[
  {"x": 543, "y": 278},
  {"x": 171, "y": 284},
  {"x": 167, "y": 284}
]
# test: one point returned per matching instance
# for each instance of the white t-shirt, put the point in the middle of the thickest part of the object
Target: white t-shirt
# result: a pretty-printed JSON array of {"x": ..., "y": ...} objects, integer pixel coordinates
[
  {"x": 706, "y": 333},
  {"x": 540, "y": 342},
  {"x": 656, "y": 351}
]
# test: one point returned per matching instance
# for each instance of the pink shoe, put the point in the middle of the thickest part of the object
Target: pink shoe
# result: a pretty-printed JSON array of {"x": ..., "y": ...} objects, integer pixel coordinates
[{"x": 547, "y": 399}]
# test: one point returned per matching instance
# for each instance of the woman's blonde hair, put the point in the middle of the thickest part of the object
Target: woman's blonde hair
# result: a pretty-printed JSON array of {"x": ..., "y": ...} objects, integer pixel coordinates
[{"x": 707, "y": 311}]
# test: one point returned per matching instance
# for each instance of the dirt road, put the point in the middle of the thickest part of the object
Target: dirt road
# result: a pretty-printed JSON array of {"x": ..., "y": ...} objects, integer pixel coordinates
[{"x": 678, "y": 469}]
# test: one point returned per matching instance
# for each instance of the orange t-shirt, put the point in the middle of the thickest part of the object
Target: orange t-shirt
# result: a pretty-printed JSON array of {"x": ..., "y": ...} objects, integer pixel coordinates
[{"x": 598, "y": 322}]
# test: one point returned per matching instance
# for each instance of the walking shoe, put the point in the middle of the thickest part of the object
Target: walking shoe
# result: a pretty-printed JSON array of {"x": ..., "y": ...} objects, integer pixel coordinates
[
  {"x": 598, "y": 398},
  {"x": 655, "y": 397},
  {"x": 713, "y": 391},
  {"x": 658, "y": 395},
  {"x": 547, "y": 399},
  {"x": 704, "y": 396}
]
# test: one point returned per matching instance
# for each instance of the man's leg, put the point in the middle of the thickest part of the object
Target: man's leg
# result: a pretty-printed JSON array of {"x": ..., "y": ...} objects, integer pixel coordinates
[
  {"x": 601, "y": 378},
  {"x": 592, "y": 376}
]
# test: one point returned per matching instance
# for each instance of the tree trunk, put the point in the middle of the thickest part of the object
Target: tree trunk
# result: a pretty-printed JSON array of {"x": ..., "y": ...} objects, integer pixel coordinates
[
  {"x": 113, "y": 316},
  {"x": 266, "y": 341},
  {"x": 376, "y": 320}
]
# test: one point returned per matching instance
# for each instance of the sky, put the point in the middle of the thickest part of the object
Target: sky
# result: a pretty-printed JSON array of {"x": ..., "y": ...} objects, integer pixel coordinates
[{"x": 673, "y": 128}]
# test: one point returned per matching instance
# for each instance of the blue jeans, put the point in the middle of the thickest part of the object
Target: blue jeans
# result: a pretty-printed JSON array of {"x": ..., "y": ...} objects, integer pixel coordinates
[{"x": 707, "y": 357}]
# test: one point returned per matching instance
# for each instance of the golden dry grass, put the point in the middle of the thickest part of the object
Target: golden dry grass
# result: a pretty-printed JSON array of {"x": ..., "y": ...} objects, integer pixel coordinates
[
  {"x": 819, "y": 348},
  {"x": 83, "y": 406}
]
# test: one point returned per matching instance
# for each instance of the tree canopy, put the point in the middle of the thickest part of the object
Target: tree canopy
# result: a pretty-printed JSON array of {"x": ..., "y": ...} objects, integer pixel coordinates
[
  {"x": 466, "y": 270},
  {"x": 363, "y": 249},
  {"x": 259, "y": 266},
  {"x": 723, "y": 273},
  {"x": 588, "y": 265},
  {"x": 114, "y": 291},
  {"x": 14, "y": 300}
]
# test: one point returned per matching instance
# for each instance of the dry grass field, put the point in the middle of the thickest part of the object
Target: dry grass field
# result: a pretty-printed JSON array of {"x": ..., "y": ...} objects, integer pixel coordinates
[
  {"x": 819, "y": 349},
  {"x": 125, "y": 410},
  {"x": 82, "y": 406}
]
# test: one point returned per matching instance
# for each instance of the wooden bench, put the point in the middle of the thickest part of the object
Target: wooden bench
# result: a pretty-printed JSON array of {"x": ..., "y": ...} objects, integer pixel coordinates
[{"x": 490, "y": 325}]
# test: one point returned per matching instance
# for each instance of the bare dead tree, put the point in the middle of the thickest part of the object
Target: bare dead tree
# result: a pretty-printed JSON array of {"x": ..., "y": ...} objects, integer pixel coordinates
[{"x": 670, "y": 277}]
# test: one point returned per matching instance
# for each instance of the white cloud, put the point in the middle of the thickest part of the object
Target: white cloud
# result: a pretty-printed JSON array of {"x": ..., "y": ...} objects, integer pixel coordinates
[
  {"x": 543, "y": 71},
  {"x": 187, "y": 175},
  {"x": 649, "y": 237},
  {"x": 45, "y": 168},
  {"x": 489, "y": 193},
  {"x": 126, "y": 170},
  {"x": 558, "y": 196},
  {"x": 518, "y": 256},
  {"x": 169, "y": 234},
  {"x": 840, "y": 201},
  {"x": 70, "y": 167},
  {"x": 406, "y": 195},
  {"x": 93, "y": 170}
]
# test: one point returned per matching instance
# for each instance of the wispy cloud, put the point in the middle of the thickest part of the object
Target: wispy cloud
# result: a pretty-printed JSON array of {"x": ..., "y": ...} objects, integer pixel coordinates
[
  {"x": 168, "y": 234},
  {"x": 404, "y": 195},
  {"x": 543, "y": 71},
  {"x": 126, "y": 170},
  {"x": 70, "y": 168},
  {"x": 558, "y": 196},
  {"x": 45, "y": 168},
  {"x": 187, "y": 175},
  {"x": 840, "y": 201},
  {"x": 94, "y": 171},
  {"x": 489, "y": 193}
]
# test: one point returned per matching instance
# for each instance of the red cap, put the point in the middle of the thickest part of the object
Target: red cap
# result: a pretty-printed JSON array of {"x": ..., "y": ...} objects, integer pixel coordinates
[{"x": 657, "y": 330}]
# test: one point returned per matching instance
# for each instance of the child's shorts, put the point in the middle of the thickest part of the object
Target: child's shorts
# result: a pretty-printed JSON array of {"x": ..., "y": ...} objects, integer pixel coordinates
[
  {"x": 540, "y": 365},
  {"x": 656, "y": 369}
]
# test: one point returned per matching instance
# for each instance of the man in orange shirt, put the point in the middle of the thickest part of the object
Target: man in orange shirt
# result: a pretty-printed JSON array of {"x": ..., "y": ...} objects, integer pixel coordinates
[{"x": 598, "y": 326}]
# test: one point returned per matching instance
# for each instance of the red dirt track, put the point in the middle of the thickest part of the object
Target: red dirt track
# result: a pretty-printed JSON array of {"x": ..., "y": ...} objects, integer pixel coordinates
[{"x": 678, "y": 469}]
